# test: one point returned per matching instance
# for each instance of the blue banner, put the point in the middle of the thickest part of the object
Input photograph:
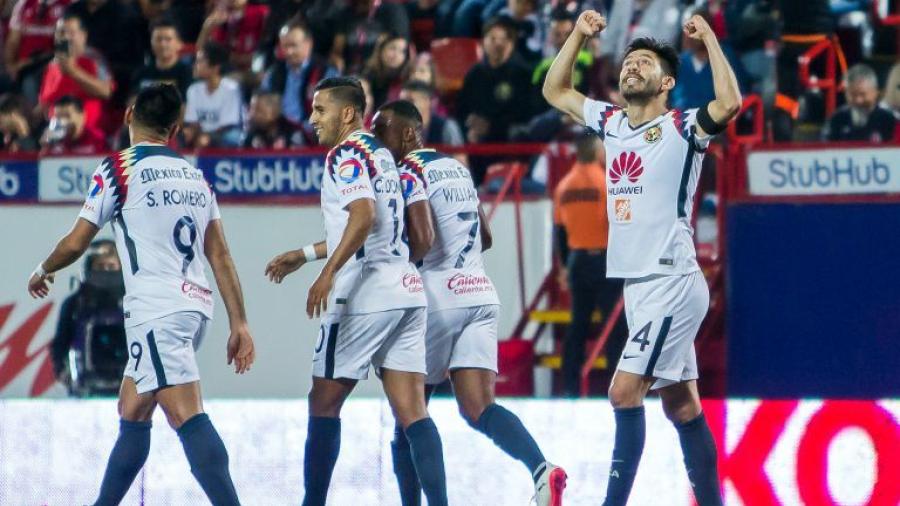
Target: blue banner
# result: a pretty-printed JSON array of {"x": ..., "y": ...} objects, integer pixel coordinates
[
  {"x": 18, "y": 180},
  {"x": 264, "y": 176}
]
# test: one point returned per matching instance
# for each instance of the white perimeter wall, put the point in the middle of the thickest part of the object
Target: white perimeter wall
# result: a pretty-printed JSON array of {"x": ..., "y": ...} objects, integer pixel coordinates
[{"x": 284, "y": 336}]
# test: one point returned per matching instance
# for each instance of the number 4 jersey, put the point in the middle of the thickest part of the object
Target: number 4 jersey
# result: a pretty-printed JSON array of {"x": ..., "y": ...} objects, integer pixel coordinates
[
  {"x": 159, "y": 206},
  {"x": 453, "y": 269}
]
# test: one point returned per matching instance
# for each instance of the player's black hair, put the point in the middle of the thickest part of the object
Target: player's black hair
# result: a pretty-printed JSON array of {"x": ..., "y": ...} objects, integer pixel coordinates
[
  {"x": 419, "y": 86},
  {"x": 668, "y": 56},
  {"x": 403, "y": 108},
  {"x": 216, "y": 55},
  {"x": 158, "y": 107},
  {"x": 503, "y": 22},
  {"x": 70, "y": 100},
  {"x": 163, "y": 23},
  {"x": 345, "y": 89}
]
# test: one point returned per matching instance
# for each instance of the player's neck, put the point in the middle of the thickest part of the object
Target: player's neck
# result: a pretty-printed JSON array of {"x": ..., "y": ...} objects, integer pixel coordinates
[
  {"x": 139, "y": 136},
  {"x": 348, "y": 130},
  {"x": 642, "y": 112}
]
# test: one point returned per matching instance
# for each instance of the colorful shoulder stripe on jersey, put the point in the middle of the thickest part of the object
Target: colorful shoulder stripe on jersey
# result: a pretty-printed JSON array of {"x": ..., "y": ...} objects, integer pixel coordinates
[
  {"x": 416, "y": 161},
  {"x": 119, "y": 167},
  {"x": 604, "y": 117},
  {"x": 680, "y": 119},
  {"x": 362, "y": 144}
]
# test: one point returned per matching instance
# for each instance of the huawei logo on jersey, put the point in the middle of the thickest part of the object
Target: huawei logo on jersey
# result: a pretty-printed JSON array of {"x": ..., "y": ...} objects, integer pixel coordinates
[{"x": 627, "y": 165}]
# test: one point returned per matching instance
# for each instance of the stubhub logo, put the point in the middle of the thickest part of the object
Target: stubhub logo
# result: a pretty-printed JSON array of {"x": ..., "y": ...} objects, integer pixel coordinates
[
  {"x": 824, "y": 171},
  {"x": 266, "y": 175},
  {"x": 66, "y": 179}
]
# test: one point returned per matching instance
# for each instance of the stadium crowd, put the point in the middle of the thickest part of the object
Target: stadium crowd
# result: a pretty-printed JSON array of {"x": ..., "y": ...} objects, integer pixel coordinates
[{"x": 248, "y": 68}]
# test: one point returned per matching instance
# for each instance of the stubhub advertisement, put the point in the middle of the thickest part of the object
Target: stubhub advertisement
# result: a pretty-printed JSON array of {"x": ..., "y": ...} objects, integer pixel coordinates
[
  {"x": 18, "y": 180},
  {"x": 67, "y": 179},
  {"x": 824, "y": 171}
]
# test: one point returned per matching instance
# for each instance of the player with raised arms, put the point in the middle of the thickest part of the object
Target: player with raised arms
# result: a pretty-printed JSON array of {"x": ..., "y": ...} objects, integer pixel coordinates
[
  {"x": 164, "y": 216},
  {"x": 447, "y": 233},
  {"x": 369, "y": 295},
  {"x": 654, "y": 157}
]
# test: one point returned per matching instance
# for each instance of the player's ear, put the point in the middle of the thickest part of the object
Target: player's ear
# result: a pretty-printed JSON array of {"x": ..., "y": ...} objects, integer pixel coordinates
[
  {"x": 174, "y": 131},
  {"x": 348, "y": 112},
  {"x": 129, "y": 115},
  {"x": 668, "y": 82}
]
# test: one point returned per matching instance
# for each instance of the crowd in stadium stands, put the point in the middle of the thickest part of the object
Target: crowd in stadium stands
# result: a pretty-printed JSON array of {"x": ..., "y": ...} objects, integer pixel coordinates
[{"x": 248, "y": 68}]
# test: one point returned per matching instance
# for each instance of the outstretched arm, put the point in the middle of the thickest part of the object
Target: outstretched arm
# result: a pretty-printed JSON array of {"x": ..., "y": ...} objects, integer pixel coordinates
[
  {"x": 728, "y": 94},
  {"x": 558, "y": 89},
  {"x": 67, "y": 251}
]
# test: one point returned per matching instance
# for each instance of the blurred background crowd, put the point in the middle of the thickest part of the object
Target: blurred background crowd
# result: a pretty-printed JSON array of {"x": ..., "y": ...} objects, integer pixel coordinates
[{"x": 474, "y": 68}]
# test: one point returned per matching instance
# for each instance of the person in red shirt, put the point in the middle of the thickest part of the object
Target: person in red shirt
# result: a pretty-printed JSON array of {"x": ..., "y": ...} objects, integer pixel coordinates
[
  {"x": 69, "y": 134},
  {"x": 29, "y": 44},
  {"x": 76, "y": 70},
  {"x": 237, "y": 26}
]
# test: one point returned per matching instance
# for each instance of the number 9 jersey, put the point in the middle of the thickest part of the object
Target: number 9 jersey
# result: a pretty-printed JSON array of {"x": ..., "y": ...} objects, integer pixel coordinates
[{"x": 159, "y": 206}]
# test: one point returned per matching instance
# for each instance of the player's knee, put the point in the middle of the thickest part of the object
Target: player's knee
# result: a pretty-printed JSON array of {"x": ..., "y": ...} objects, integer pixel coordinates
[
  {"x": 681, "y": 412},
  {"x": 177, "y": 416},
  {"x": 324, "y": 406},
  {"x": 471, "y": 411},
  {"x": 624, "y": 396}
]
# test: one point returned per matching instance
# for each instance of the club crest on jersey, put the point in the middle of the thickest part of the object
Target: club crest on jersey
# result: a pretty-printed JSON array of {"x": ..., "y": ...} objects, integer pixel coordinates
[
  {"x": 349, "y": 170},
  {"x": 653, "y": 134},
  {"x": 96, "y": 186},
  {"x": 626, "y": 165},
  {"x": 407, "y": 184},
  {"x": 623, "y": 210}
]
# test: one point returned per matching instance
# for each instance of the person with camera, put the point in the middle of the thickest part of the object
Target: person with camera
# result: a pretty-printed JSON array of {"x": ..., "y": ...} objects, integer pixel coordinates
[
  {"x": 88, "y": 349},
  {"x": 76, "y": 70},
  {"x": 68, "y": 132}
]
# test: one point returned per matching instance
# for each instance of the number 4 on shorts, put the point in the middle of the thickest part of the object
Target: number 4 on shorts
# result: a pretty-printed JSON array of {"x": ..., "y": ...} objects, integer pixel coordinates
[{"x": 641, "y": 336}]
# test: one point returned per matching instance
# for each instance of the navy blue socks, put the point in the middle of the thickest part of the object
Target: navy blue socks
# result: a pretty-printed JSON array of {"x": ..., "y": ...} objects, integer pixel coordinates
[
  {"x": 507, "y": 432},
  {"x": 208, "y": 459},
  {"x": 428, "y": 458},
  {"x": 699, "y": 449},
  {"x": 407, "y": 480},
  {"x": 126, "y": 459},
  {"x": 323, "y": 443},
  {"x": 629, "y": 444}
]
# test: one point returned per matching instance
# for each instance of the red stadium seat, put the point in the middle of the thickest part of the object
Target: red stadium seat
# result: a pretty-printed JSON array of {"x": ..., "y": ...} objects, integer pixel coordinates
[{"x": 453, "y": 57}]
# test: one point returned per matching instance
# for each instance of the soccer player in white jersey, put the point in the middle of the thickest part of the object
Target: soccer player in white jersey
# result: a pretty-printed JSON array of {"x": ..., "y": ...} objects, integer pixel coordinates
[
  {"x": 447, "y": 232},
  {"x": 369, "y": 295},
  {"x": 654, "y": 156},
  {"x": 164, "y": 216}
]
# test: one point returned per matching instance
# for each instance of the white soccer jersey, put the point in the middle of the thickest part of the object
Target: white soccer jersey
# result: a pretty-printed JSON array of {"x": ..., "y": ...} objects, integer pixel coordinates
[
  {"x": 651, "y": 176},
  {"x": 453, "y": 269},
  {"x": 159, "y": 206},
  {"x": 379, "y": 277}
]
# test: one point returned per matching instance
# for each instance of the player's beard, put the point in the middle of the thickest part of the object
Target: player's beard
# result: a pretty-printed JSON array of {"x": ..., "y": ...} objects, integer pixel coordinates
[{"x": 641, "y": 95}]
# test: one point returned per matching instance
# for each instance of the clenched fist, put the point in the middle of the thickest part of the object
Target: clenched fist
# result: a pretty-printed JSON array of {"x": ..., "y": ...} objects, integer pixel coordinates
[
  {"x": 590, "y": 23},
  {"x": 697, "y": 28}
]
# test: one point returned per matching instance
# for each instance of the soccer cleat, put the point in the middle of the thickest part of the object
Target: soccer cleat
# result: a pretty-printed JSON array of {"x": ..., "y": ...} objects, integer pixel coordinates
[{"x": 549, "y": 483}]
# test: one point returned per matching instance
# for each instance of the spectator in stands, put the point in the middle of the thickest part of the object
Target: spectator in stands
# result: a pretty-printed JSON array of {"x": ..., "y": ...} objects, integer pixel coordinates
[
  {"x": 114, "y": 29},
  {"x": 529, "y": 28},
  {"x": 68, "y": 132},
  {"x": 238, "y": 26},
  {"x": 296, "y": 74},
  {"x": 438, "y": 128},
  {"x": 752, "y": 27},
  {"x": 422, "y": 16},
  {"x": 694, "y": 87},
  {"x": 167, "y": 66},
  {"x": 632, "y": 19},
  {"x": 892, "y": 91},
  {"x": 76, "y": 70},
  {"x": 862, "y": 118},
  {"x": 14, "y": 127},
  {"x": 29, "y": 42},
  {"x": 423, "y": 69},
  {"x": 370, "y": 109},
  {"x": 388, "y": 68},
  {"x": 497, "y": 93},
  {"x": 213, "y": 111},
  {"x": 266, "y": 127},
  {"x": 562, "y": 22},
  {"x": 579, "y": 213},
  {"x": 360, "y": 25}
]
